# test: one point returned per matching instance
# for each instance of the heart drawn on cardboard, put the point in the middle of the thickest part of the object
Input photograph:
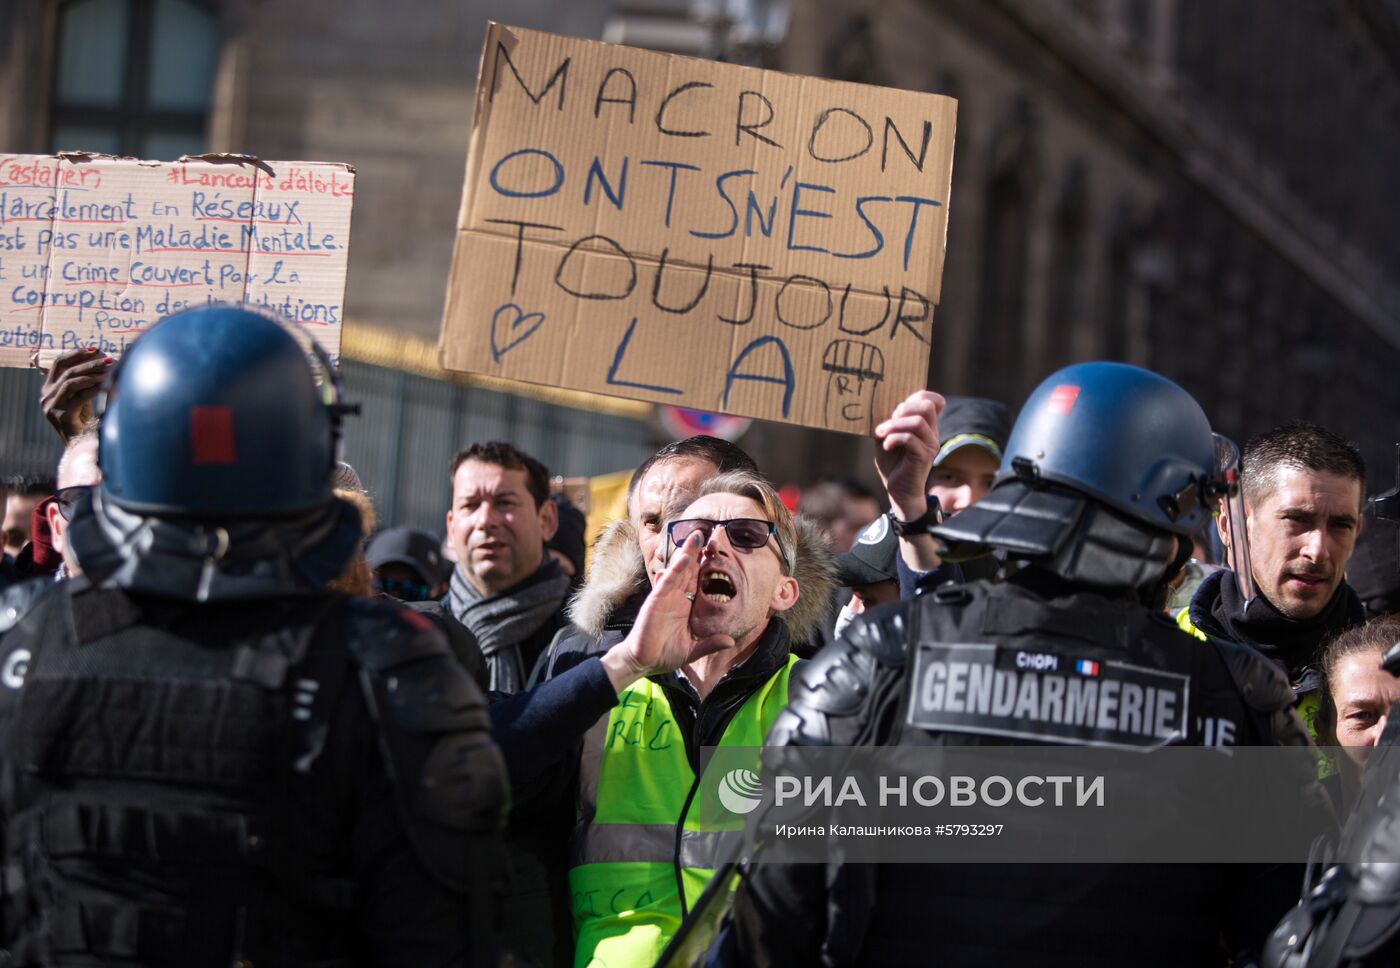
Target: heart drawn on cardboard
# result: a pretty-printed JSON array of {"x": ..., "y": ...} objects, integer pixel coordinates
[{"x": 515, "y": 324}]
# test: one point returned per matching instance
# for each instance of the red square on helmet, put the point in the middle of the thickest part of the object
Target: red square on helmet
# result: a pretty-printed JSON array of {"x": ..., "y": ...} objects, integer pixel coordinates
[
  {"x": 1062, "y": 399},
  {"x": 211, "y": 435}
]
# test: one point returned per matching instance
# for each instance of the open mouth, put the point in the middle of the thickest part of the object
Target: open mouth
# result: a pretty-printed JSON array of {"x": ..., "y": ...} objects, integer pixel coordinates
[{"x": 716, "y": 586}]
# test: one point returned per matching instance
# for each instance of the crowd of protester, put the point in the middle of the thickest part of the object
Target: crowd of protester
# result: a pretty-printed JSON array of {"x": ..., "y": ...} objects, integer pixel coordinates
[{"x": 600, "y": 724}]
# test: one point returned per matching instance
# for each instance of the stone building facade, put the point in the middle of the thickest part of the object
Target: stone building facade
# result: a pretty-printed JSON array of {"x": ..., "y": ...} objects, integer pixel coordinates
[{"x": 1202, "y": 187}]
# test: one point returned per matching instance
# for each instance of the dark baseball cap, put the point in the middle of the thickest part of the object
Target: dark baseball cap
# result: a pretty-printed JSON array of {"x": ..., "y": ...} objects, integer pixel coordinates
[
  {"x": 407, "y": 546},
  {"x": 570, "y": 538},
  {"x": 967, "y": 421},
  {"x": 872, "y": 558}
]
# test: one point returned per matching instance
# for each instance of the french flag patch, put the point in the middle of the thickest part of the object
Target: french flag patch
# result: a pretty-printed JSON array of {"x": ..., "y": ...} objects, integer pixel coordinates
[{"x": 1087, "y": 667}]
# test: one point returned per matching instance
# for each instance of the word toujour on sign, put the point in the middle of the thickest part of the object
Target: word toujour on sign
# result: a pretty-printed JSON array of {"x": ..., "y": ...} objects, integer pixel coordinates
[
  {"x": 94, "y": 250},
  {"x": 700, "y": 234}
]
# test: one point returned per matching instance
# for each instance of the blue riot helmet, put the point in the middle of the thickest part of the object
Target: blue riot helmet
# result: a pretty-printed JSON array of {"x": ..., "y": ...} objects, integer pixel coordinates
[
  {"x": 216, "y": 414},
  {"x": 1101, "y": 434},
  {"x": 1386, "y": 505}
]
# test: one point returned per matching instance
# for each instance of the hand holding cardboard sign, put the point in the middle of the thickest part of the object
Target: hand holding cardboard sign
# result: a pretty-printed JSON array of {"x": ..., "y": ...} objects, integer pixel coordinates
[{"x": 69, "y": 388}]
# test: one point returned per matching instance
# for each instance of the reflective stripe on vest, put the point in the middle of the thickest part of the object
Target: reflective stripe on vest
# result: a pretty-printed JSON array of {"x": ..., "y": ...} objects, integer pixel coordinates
[
  {"x": 1183, "y": 622},
  {"x": 634, "y": 783}
]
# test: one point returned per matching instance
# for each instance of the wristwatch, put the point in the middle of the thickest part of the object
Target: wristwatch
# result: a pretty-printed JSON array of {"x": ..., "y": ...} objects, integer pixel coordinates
[{"x": 925, "y": 522}]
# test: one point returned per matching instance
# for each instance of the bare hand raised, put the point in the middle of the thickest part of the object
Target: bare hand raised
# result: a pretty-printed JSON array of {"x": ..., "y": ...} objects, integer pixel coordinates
[
  {"x": 908, "y": 443},
  {"x": 661, "y": 640}
]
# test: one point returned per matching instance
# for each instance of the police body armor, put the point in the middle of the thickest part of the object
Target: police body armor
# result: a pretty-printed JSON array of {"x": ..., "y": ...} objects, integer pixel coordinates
[
  {"x": 182, "y": 789},
  {"x": 858, "y": 693},
  {"x": 1351, "y": 917}
]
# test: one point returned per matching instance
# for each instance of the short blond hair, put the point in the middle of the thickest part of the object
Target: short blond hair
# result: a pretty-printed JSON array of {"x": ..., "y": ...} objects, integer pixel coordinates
[{"x": 756, "y": 489}]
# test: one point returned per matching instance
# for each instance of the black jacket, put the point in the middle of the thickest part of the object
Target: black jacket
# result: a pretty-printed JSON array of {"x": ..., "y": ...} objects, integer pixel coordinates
[{"x": 1218, "y": 610}]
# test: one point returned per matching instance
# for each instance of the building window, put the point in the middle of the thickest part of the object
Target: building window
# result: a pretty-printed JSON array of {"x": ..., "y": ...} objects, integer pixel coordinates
[
  {"x": 852, "y": 55},
  {"x": 997, "y": 352},
  {"x": 134, "y": 77},
  {"x": 1137, "y": 23},
  {"x": 1064, "y": 288},
  {"x": 1117, "y": 287}
]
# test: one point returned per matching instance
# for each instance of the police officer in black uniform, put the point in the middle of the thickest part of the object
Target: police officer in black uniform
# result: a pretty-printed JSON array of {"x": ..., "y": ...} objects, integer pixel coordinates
[
  {"x": 1108, "y": 471},
  {"x": 1351, "y": 917},
  {"x": 207, "y": 758}
]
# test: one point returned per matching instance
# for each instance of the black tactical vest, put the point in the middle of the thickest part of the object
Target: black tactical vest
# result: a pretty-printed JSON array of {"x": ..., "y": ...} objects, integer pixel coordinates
[
  {"x": 1166, "y": 689},
  {"x": 165, "y": 795},
  {"x": 1043, "y": 914}
]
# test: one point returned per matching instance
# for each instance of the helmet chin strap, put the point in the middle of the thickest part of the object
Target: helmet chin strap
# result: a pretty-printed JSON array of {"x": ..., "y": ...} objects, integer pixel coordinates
[{"x": 210, "y": 567}]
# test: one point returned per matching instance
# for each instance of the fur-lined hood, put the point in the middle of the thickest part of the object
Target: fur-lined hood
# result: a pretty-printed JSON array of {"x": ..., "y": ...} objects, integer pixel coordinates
[{"x": 617, "y": 572}]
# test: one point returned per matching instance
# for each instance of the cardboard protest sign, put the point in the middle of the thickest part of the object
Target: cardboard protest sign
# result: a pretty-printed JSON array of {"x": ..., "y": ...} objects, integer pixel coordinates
[
  {"x": 700, "y": 234},
  {"x": 94, "y": 250}
]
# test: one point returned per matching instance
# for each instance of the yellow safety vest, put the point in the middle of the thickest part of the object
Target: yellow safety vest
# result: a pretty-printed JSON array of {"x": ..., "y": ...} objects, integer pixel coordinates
[{"x": 639, "y": 832}]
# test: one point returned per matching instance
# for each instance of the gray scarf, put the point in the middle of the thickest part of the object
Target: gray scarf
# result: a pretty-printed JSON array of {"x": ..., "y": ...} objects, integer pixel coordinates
[{"x": 501, "y": 622}]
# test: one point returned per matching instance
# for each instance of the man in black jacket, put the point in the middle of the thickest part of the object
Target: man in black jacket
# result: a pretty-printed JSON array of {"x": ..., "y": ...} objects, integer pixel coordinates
[{"x": 1303, "y": 487}]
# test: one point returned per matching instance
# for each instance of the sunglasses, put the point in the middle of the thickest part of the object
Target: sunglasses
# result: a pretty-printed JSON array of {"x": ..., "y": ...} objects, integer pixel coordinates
[
  {"x": 67, "y": 497},
  {"x": 746, "y": 534},
  {"x": 404, "y": 591}
]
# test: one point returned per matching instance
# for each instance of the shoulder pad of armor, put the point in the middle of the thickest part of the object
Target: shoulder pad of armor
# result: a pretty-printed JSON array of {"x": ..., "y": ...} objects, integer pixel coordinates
[
  {"x": 383, "y": 636},
  {"x": 434, "y": 696},
  {"x": 1261, "y": 682},
  {"x": 883, "y": 634},
  {"x": 450, "y": 781},
  {"x": 451, "y": 786},
  {"x": 838, "y": 681},
  {"x": 423, "y": 688},
  {"x": 17, "y": 600}
]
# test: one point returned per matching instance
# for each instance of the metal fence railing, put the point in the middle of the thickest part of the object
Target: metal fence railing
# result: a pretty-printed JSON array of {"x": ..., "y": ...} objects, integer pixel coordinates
[{"x": 28, "y": 444}]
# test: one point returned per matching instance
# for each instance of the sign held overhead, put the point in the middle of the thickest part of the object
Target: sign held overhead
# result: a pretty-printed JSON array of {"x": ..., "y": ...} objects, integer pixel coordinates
[
  {"x": 94, "y": 250},
  {"x": 701, "y": 234}
]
